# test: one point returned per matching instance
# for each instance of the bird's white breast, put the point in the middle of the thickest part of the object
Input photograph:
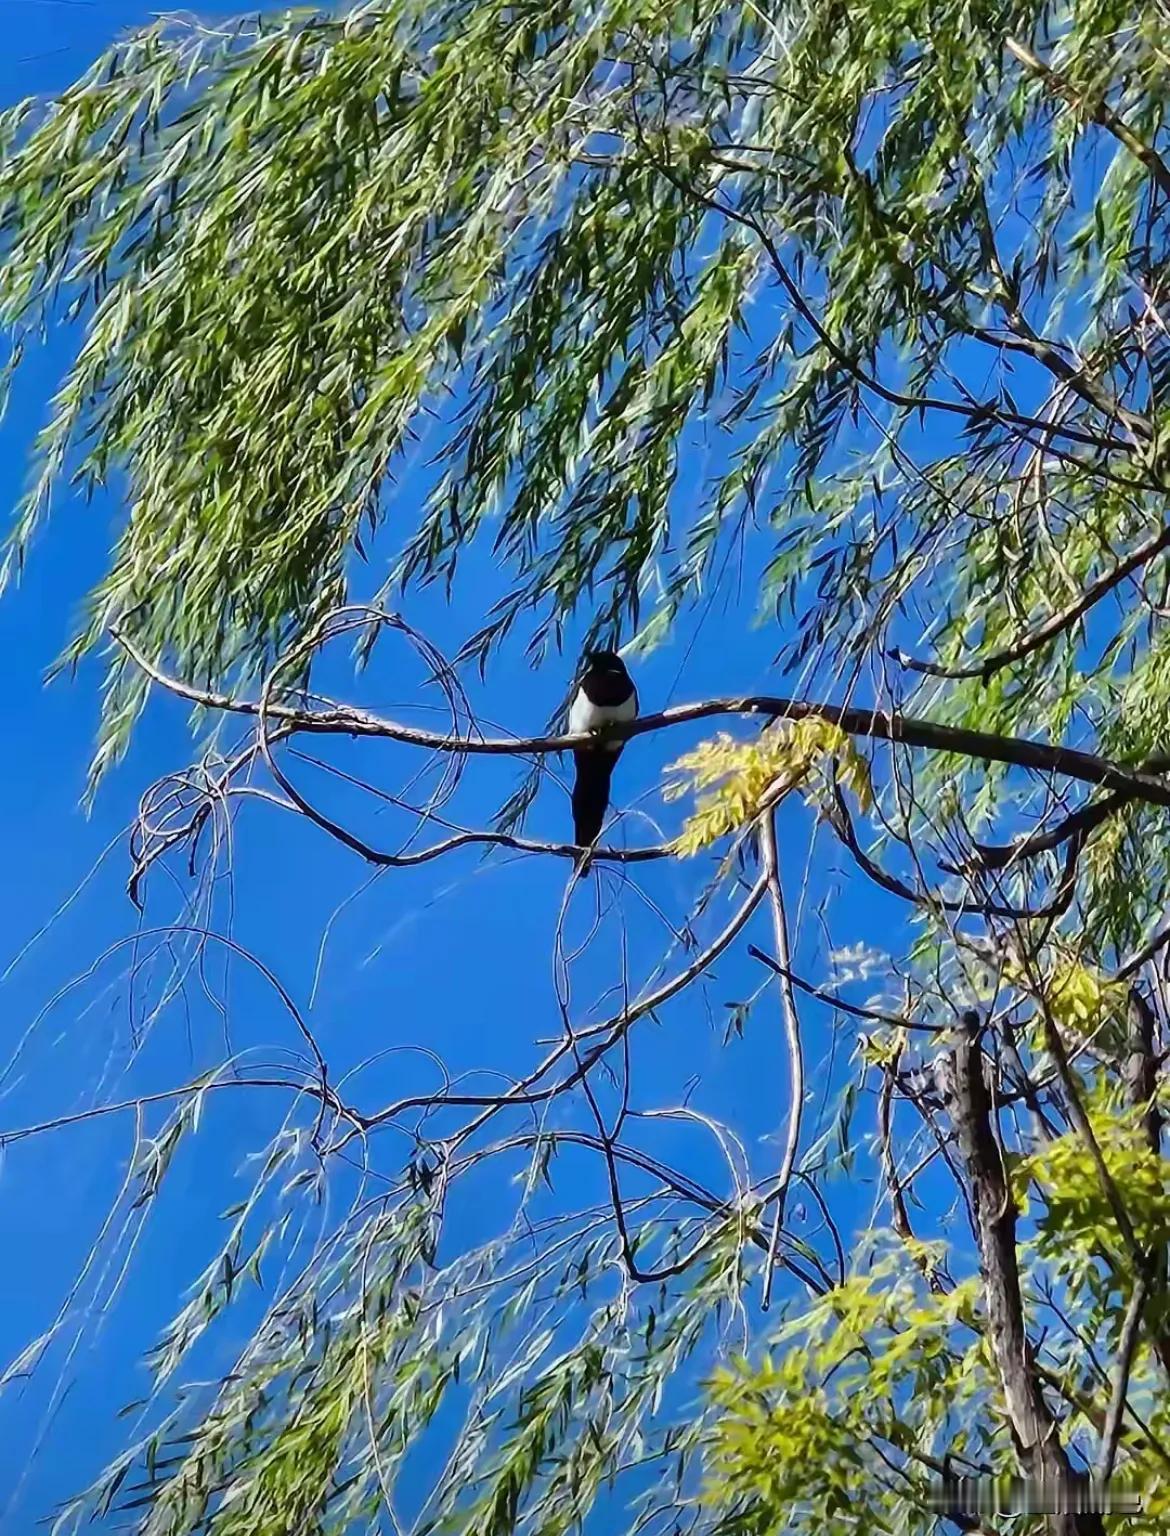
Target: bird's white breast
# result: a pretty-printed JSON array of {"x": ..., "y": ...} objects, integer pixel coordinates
[{"x": 587, "y": 716}]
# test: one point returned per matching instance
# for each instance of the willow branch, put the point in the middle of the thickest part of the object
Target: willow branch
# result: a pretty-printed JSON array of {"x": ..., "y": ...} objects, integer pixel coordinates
[
  {"x": 1140, "y": 1076},
  {"x": 975, "y": 414},
  {"x": 1080, "y": 1119},
  {"x": 1098, "y": 111},
  {"x": 842, "y": 824},
  {"x": 834, "y": 1000},
  {"x": 1052, "y": 627},
  {"x": 885, "y": 1105},
  {"x": 1079, "y": 824},
  {"x": 874, "y": 724},
  {"x": 611, "y": 1030},
  {"x": 678, "y": 1184}
]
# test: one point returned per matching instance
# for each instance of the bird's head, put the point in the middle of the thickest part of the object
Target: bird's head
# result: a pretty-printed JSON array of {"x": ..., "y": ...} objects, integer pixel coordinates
[{"x": 605, "y": 661}]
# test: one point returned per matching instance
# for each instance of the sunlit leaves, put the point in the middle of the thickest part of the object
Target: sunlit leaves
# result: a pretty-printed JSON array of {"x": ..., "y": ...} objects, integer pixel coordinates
[
  {"x": 1081, "y": 998},
  {"x": 742, "y": 776},
  {"x": 313, "y": 1427},
  {"x": 290, "y": 240},
  {"x": 855, "y": 1380},
  {"x": 854, "y": 284},
  {"x": 288, "y": 236},
  {"x": 1076, "y": 1205}
]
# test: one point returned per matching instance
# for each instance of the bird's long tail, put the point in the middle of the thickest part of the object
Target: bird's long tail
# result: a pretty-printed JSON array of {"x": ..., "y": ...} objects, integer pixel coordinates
[{"x": 590, "y": 798}]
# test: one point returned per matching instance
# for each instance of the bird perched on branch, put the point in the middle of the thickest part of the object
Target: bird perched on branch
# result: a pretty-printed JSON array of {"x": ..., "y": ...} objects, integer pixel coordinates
[{"x": 605, "y": 696}]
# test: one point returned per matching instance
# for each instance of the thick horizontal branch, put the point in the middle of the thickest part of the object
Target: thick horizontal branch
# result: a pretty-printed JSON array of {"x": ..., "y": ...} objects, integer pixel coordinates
[{"x": 874, "y": 724}]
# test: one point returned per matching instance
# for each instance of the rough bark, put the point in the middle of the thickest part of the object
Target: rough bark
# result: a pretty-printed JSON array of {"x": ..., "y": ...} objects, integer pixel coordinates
[
  {"x": 1141, "y": 1080},
  {"x": 1141, "y": 1068},
  {"x": 1034, "y": 1427}
]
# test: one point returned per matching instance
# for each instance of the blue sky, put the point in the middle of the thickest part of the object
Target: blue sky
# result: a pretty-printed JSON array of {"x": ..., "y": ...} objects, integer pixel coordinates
[{"x": 456, "y": 956}]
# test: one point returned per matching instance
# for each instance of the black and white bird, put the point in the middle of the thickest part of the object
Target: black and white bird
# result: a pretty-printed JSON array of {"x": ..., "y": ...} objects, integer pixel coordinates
[{"x": 605, "y": 696}]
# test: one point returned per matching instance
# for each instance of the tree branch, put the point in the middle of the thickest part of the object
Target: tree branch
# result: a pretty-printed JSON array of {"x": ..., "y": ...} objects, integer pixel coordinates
[
  {"x": 1140, "y": 1075},
  {"x": 975, "y": 414},
  {"x": 1034, "y": 1428},
  {"x": 842, "y": 824},
  {"x": 771, "y": 862},
  {"x": 875, "y": 724},
  {"x": 1125, "y": 1352},
  {"x": 611, "y": 1029},
  {"x": 833, "y": 1000},
  {"x": 1077, "y": 825},
  {"x": 1098, "y": 112},
  {"x": 1051, "y": 627}
]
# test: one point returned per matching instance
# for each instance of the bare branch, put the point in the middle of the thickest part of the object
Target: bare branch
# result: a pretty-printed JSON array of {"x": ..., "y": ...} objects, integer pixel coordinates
[
  {"x": 1079, "y": 824},
  {"x": 876, "y": 724},
  {"x": 771, "y": 862}
]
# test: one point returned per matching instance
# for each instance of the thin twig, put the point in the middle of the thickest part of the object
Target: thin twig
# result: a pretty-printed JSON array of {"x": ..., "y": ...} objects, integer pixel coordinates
[
  {"x": 771, "y": 862},
  {"x": 1125, "y": 1353}
]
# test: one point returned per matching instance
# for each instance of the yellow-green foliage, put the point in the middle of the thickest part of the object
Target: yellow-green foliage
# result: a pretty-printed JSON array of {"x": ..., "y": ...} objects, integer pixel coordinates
[
  {"x": 1077, "y": 1207},
  {"x": 283, "y": 1482},
  {"x": 874, "y": 1365},
  {"x": 1080, "y": 998},
  {"x": 786, "y": 755},
  {"x": 773, "y": 1445}
]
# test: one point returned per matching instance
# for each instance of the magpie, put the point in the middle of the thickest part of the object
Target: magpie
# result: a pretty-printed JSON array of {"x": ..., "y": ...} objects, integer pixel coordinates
[{"x": 605, "y": 695}]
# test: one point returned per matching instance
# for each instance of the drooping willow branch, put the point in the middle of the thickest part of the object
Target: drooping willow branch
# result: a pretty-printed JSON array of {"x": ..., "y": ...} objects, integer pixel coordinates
[
  {"x": 611, "y": 1030},
  {"x": 1097, "y": 109},
  {"x": 1052, "y": 627},
  {"x": 770, "y": 858},
  {"x": 975, "y": 413}
]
